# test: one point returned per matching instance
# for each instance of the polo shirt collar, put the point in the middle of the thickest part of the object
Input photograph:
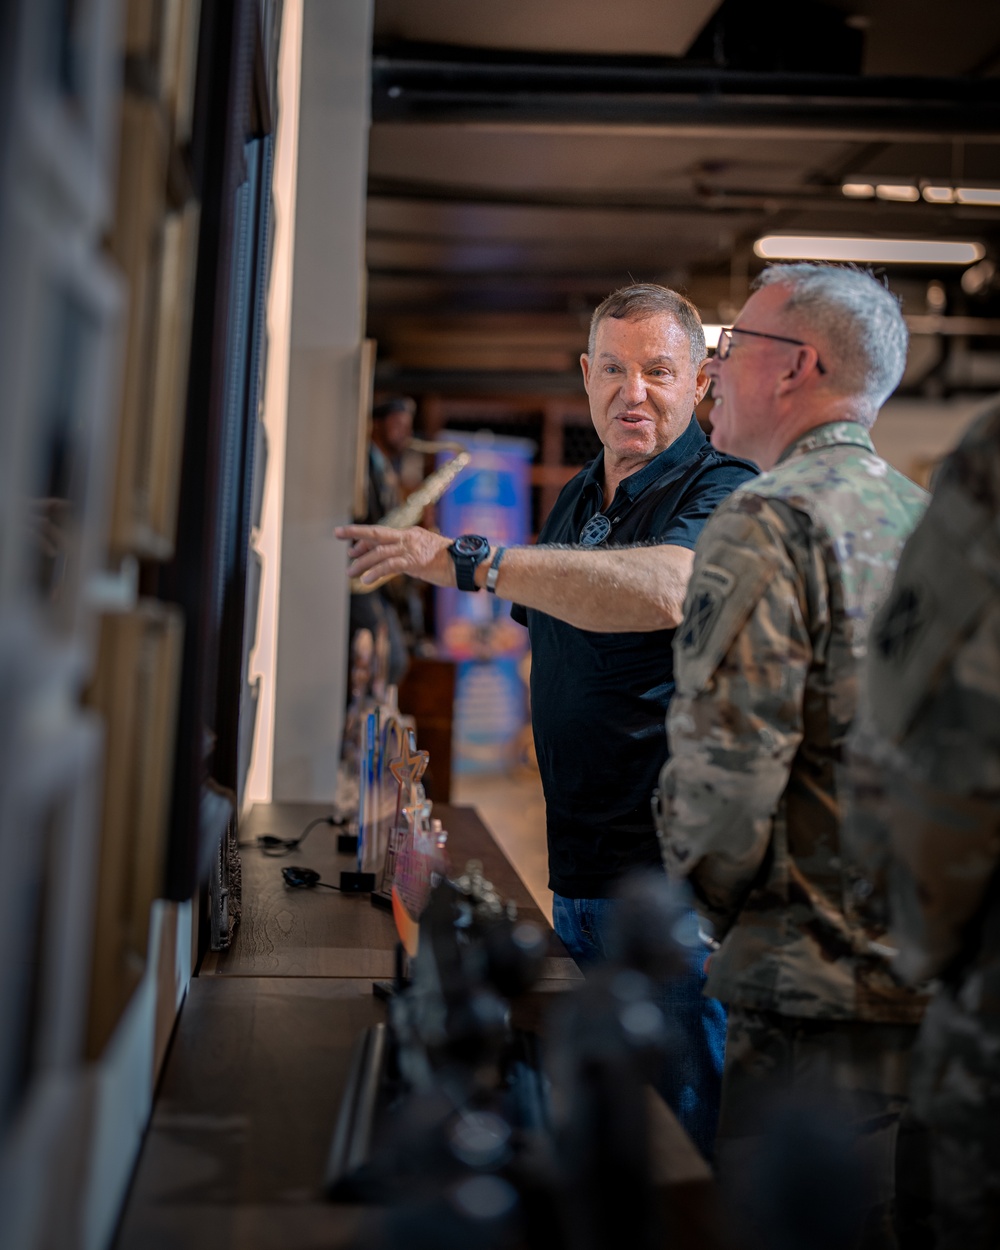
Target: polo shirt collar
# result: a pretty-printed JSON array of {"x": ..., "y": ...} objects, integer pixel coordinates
[
  {"x": 678, "y": 453},
  {"x": 835, "y": 434}
]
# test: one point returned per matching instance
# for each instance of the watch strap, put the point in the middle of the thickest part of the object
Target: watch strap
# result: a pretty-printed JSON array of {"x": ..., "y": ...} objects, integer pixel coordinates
[
  {"x": 465, "y": 573},
  {"x": 494, "y": 570}
]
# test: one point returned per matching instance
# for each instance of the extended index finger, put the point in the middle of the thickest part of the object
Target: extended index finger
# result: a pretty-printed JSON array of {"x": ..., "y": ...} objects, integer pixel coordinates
[{"x": 364, "y": 533}]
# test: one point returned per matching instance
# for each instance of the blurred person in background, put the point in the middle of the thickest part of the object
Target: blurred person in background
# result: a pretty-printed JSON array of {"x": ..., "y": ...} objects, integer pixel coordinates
[
  {"x": 397, "y": 606},
  {"x": 926, "y": 771}
]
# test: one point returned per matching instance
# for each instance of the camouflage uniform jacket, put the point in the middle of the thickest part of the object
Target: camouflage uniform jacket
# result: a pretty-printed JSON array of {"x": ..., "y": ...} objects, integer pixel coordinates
[
  {"x": 934, "y": 703},
  {"x": 788, "y": 575}
]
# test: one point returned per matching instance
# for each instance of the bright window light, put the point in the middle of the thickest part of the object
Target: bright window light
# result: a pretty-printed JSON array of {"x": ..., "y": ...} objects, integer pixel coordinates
[
  {"x": 872, "y": 251},
  {"x": 978, "y": 195},
  {"x": 858, "y": 190},
  {"x": 897, "y": 191},
  {"x": 939, "y": 195}
]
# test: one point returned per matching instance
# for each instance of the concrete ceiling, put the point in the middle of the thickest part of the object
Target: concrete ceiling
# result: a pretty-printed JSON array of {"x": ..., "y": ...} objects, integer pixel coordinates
[
  {"x": 652, "y": 27},
  {"x": 525, "y": 159}
]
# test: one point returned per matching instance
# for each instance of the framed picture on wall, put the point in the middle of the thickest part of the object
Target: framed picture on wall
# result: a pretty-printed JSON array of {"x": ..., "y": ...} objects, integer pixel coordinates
[
  {"x": 164, "y": 35},
  {"x": 135, "y": 688},
  {"x": 157, "y": 247},
  {"x": 159, "y": 461},
  {"x": 50, "y": 756},
  {"x": 69, "y": 83},
  {"x": 59, "y": 357},
  {"x": 181, "y": 71},
  {"x": 135, "y": 244},
  {"x": 49, "y": 794}
]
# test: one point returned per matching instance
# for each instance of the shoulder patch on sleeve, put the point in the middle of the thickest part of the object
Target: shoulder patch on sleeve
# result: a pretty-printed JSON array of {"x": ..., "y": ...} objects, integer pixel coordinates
[
  {"x": 705, "y": 604},
  {"x": 723, "y": 592},
  {"x": 719, "y": 577}
]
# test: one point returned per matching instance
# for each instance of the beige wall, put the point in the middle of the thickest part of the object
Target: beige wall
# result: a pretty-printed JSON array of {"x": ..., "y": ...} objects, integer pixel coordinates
[
  {"x": 913, "y": 434},
  {"x": 327, "y": 328}
]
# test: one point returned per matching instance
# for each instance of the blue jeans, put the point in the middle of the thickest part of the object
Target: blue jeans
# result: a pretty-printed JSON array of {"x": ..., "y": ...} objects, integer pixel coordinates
[{"x": 692, "y": 1083}]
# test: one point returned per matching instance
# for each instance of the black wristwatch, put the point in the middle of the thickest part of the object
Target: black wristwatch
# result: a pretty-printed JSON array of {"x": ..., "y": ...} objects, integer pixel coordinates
[{"x": 467, "y": 551}]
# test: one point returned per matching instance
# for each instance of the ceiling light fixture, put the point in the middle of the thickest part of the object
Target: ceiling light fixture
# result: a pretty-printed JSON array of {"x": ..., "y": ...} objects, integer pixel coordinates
[
  {"x": 978, "y": 195},
  {"x": 910, "y": 193},
  {"x": 712, "y": 333},
  {"x": 872, "y": 251},
  {"x": 902, "y": 192}
]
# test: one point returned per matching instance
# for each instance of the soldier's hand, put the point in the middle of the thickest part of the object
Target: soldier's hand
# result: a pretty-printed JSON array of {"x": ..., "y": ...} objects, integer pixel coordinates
[{"x": 377, "y": 552}]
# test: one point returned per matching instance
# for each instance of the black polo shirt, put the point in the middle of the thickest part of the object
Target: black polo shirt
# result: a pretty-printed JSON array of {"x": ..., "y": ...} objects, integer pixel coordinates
[{"x": 598, "y": 701}]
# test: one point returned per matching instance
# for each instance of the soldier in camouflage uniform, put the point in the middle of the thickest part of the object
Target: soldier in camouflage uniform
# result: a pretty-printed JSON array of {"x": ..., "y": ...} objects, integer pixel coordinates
[
  {"x": 933, "y": 695},
  {"x": 788, "y": 575}
]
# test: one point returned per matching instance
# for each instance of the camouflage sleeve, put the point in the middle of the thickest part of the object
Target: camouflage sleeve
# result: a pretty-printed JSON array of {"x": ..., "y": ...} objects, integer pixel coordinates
[
  {"x": 942, "y": 802},
  {"x": 741, "y": 657},
  {"x": 928, "y": 805}
]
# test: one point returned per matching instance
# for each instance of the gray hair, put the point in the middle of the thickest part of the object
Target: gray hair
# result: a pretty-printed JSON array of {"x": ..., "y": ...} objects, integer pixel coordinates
[
  {"x": 646, "y": 299},
  {"x": 860, "y": 321}
]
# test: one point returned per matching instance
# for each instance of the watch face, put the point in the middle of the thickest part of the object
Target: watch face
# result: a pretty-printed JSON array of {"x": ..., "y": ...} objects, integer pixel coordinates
[{"x": 471, "y": 545}]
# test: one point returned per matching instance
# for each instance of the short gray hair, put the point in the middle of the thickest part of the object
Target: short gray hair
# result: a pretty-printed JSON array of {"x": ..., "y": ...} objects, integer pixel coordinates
[
  {"x": 647, "y": 299},
  {"x": 859, "y": 319}
]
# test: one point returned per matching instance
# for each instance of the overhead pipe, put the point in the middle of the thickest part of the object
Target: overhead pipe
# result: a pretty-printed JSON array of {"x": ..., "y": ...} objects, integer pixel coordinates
[
  {"x": 675, "y": 99},
  {"x": 720, "y": 200}
]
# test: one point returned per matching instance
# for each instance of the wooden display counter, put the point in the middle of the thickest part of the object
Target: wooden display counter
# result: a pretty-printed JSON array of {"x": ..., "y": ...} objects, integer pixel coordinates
[
  {"x": 237, "y": 1144},
  {"x": 321, "y": 933}
]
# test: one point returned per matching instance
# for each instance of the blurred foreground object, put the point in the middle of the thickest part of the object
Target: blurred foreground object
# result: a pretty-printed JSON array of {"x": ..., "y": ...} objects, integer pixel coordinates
[
  {"x": 931, "y": 820},
  {"x": 453, "y": 1122}
]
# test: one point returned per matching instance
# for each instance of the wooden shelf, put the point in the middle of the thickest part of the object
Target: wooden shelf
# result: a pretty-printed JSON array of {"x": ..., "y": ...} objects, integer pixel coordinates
[
  {"x": 309, "y": 933},
  {"x": 235, "y": 1152}
]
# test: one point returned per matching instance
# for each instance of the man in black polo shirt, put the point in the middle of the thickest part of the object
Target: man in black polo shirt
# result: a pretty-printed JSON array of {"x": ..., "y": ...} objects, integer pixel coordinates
[{"x": 629, "y": 522}]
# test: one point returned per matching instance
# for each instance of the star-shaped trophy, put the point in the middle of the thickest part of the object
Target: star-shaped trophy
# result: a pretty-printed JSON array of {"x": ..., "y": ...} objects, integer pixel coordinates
[
  {"x": 412, "y": 855},
  {"x": 409, "y": 767}
]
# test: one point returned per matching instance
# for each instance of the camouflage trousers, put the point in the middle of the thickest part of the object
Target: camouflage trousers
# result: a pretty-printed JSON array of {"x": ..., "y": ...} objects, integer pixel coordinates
[
  {"x": 956, "y": 1092},
  {"x": 816, "y": 1144}
]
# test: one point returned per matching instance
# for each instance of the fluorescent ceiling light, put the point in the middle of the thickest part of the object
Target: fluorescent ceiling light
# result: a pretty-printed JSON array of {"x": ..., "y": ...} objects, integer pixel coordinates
[
  {"x": 712, "y": 333},
  {"x": 873, "y": 251},
  {"x": 978, "y": 195},
  {"x": 908, "y": 193},
  {"x": 897, "y": 191}
]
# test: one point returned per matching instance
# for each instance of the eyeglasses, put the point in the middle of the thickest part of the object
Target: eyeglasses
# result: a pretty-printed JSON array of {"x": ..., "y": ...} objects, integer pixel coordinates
[{"x": 726, "y": 342}]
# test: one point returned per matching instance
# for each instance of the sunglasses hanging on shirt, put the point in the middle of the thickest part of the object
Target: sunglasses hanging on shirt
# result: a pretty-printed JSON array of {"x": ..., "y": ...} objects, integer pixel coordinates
[{"x": 596, "y": 530}]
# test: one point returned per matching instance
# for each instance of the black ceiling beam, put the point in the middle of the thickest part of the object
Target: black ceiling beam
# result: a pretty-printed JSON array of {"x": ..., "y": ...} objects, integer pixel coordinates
[
  {"x": 685, "y": 99},
  {"x": 499, "y": 278},
  {"x": 720, "y": 200},
  {"x": 495, "y": 196}
]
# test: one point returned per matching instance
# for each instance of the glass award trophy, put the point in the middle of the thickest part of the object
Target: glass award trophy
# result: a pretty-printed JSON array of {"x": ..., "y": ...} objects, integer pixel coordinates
[{"x": 415, "y": 845}]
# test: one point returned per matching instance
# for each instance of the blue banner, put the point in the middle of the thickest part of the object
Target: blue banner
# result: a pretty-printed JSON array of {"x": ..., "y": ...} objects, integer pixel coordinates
[{"x": 493, "y": 498}]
